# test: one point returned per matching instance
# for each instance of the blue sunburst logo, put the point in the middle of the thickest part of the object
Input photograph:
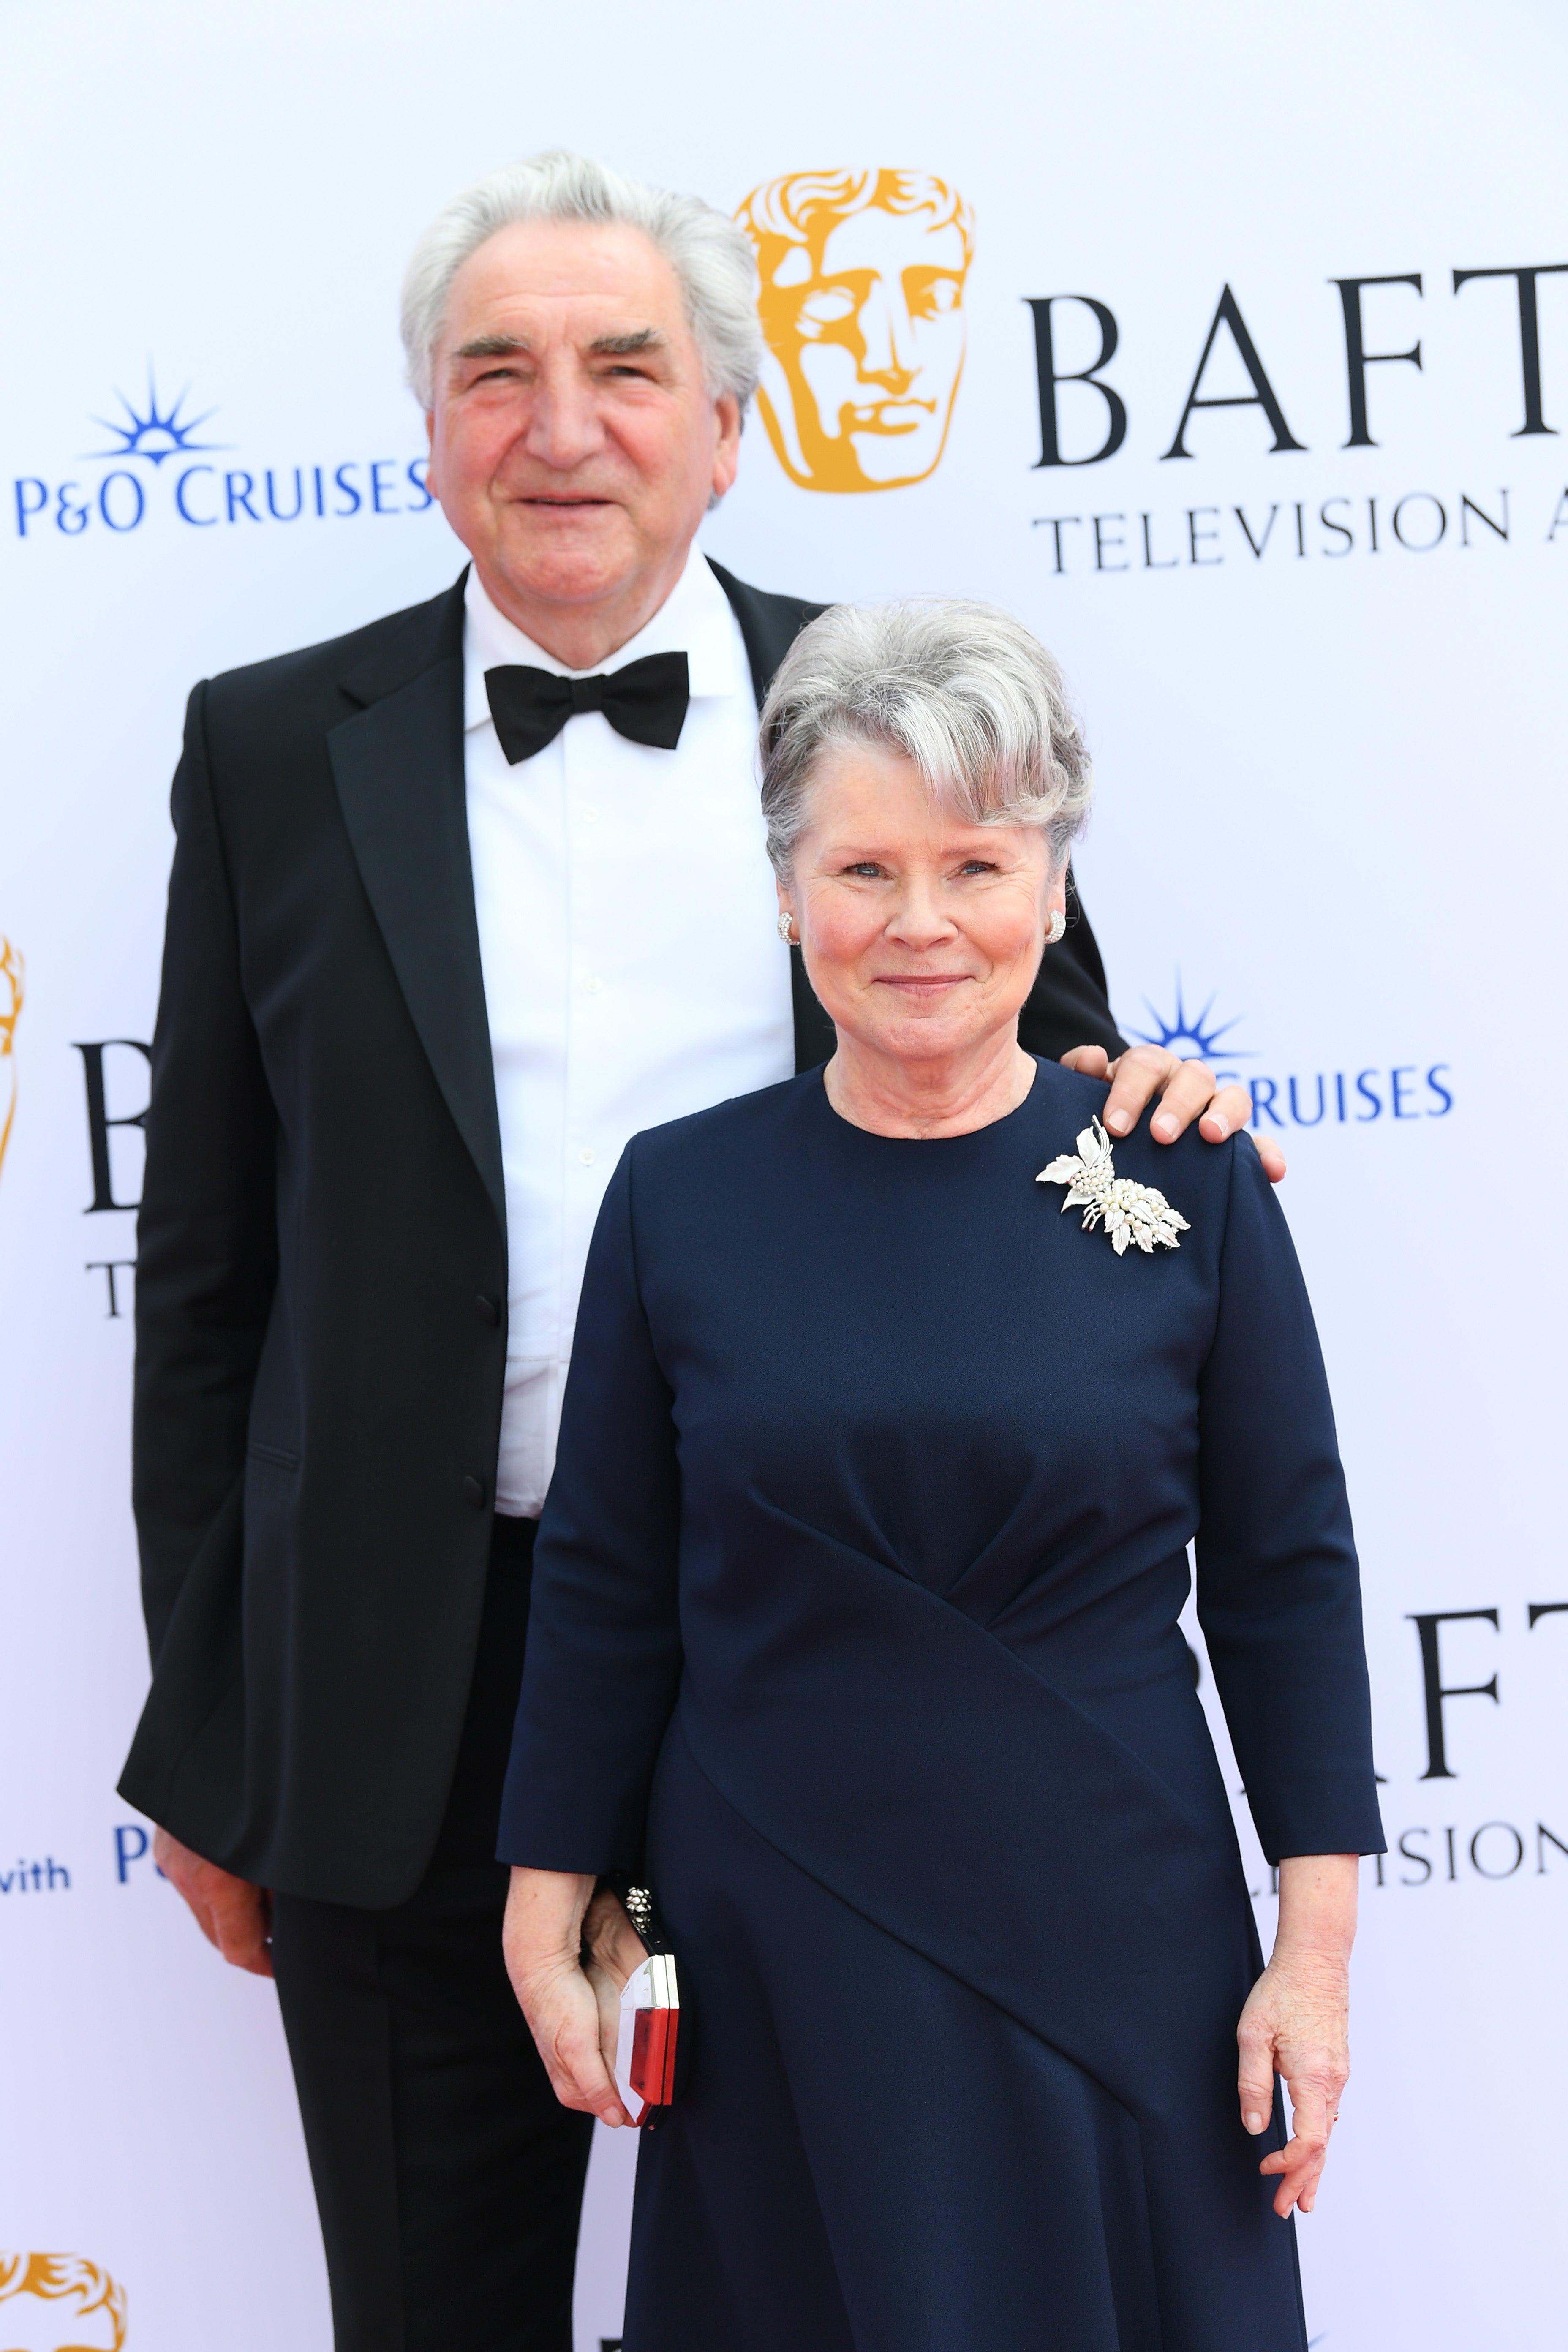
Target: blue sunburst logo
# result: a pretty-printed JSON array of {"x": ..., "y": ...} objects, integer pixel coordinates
[
  {"x": 1190, "y": 1035},
  {"x": 159, "y": 433}
]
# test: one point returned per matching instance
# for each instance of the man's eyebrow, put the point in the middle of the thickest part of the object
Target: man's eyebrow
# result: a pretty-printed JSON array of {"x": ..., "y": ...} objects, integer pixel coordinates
[
  {"x": 644, "y": 339},
  {"x": 497, "y": 347},
  {"x": 491, "y": 347}
]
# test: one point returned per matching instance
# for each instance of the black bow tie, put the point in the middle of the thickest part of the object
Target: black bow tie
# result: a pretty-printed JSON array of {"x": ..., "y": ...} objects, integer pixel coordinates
[{"x": 646, "y": 702}]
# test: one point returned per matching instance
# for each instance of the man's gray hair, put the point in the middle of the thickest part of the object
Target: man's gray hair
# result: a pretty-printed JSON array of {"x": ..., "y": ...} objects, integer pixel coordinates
[
  {"x": 961, "y": 689},
  {"x": 709, "y": 253}
]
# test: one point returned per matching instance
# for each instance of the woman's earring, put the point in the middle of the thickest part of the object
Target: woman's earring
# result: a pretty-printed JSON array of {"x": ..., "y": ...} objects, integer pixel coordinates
[
  {"x": 1058, "y": 927},
  {"x": 786, "y": 919}
]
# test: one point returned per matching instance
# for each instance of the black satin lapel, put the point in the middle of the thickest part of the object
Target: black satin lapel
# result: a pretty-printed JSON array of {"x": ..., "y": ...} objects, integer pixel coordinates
[
  {"x": 816, "y": 1038},
  {"x": 399, "y": 772},
  {"x": 769, "y": 625}
]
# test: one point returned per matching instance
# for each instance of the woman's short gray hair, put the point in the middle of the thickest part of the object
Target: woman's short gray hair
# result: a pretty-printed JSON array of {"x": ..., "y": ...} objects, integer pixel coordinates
[
  {"x": 710, "y": 256},
  {"x": 961, "y": 689}
]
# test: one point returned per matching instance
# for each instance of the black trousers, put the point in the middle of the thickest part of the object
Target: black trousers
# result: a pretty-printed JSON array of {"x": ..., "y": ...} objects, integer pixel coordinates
[{"x": 448, "y": 2179}]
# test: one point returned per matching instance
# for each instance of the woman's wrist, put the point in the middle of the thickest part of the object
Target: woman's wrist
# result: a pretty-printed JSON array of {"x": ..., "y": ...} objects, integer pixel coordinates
[
  {"x": 544, "y": 1915},
  {"x": 1318, "y": 1894}
]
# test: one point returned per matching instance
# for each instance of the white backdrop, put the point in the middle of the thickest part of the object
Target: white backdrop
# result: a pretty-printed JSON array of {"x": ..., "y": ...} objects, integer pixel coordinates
[{"x": 1330, "y": 822}]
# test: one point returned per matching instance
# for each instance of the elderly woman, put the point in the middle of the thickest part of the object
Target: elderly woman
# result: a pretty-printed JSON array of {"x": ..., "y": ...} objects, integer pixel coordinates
[{"x": 854, "y": 1619}]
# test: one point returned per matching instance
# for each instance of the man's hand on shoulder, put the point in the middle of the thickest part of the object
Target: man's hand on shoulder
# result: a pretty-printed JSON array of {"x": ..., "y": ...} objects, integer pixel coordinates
[
  {"x": 1186, "y": 1091},
  {"x": 229, "y": 1911}
]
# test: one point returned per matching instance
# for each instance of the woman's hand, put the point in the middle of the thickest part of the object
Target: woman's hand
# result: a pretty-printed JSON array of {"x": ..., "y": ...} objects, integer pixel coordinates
[
  {"x": 1296, "y": 2021},
  {"x": 569, "y": 1952}
]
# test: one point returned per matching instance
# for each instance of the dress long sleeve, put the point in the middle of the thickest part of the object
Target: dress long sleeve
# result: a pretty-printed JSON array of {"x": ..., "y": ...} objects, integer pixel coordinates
[
  {"x": 603, "y": 1638},
  {"x": 1277, "y": 1585}
]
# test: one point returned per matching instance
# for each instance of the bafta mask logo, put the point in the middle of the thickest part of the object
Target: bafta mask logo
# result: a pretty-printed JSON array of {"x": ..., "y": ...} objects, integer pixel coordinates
[
  {"x": 862, "y": 310},
  {"x": 59, "y": 2302},
  {"x": 11, "y": 992}
]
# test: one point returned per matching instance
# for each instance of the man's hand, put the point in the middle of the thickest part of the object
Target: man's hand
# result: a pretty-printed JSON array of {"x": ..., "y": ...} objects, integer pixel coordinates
[
  {"x": 229, "y": 1911},
  {"x": 1186, "y": 1091}
]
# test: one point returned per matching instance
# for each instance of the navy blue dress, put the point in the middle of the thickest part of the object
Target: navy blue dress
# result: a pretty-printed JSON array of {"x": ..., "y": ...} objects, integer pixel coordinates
[{"x": 854, "y": 1631}]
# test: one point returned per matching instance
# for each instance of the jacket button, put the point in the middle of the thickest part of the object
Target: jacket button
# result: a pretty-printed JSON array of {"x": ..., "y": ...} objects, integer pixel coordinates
[
  {"x": 474, "y": 1489},
  {"x": 487, "y": 1310}
]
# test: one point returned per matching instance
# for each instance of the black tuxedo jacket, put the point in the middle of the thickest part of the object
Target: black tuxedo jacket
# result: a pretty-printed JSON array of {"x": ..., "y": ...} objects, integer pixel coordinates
[{"x": 322, "y": 1277}]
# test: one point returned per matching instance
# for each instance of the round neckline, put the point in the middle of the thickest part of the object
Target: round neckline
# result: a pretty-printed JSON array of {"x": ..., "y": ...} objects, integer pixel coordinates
[{"x": 966, "y": 1135}]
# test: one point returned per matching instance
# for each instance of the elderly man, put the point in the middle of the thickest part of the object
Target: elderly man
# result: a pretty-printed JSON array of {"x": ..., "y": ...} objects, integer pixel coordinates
[{"x": 458, "y": 903}]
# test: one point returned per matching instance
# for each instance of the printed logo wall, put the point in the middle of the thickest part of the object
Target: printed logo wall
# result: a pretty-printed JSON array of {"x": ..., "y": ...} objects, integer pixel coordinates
[{"x": 1271, "y": 451}]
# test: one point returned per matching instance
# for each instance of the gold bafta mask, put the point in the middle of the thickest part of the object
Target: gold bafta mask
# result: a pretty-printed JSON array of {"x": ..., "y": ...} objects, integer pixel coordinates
[
  {"x": 11, "y": 992},
  {"x": 59, "y": 2302},
  {"x": 862, "y": 311}
]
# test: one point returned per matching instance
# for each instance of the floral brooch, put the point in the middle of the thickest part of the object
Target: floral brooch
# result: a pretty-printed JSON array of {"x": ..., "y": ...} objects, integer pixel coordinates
[{"x": 1129, "y": 1212}]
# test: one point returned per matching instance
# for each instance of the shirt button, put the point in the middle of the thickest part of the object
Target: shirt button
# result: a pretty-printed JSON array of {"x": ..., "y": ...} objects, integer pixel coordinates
[
  {"x": 589, "y": 814},
  {"x": 586, "y": 1155},
  {"x": 474, "y": 1489},
  {"x": 593, "y": 986}
]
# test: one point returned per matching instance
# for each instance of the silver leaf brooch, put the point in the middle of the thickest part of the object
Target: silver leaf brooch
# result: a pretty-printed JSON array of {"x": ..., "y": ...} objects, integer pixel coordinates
[{"x": 1128, "y": 1212}]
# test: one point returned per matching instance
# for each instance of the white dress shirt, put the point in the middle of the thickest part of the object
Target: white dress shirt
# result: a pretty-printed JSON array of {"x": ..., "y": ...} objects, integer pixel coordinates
[{"x": 633, "y": 968}]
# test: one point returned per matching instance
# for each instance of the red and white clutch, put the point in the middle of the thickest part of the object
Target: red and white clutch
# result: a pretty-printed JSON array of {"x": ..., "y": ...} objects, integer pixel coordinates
[{"x": 645, "y": 2052}]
